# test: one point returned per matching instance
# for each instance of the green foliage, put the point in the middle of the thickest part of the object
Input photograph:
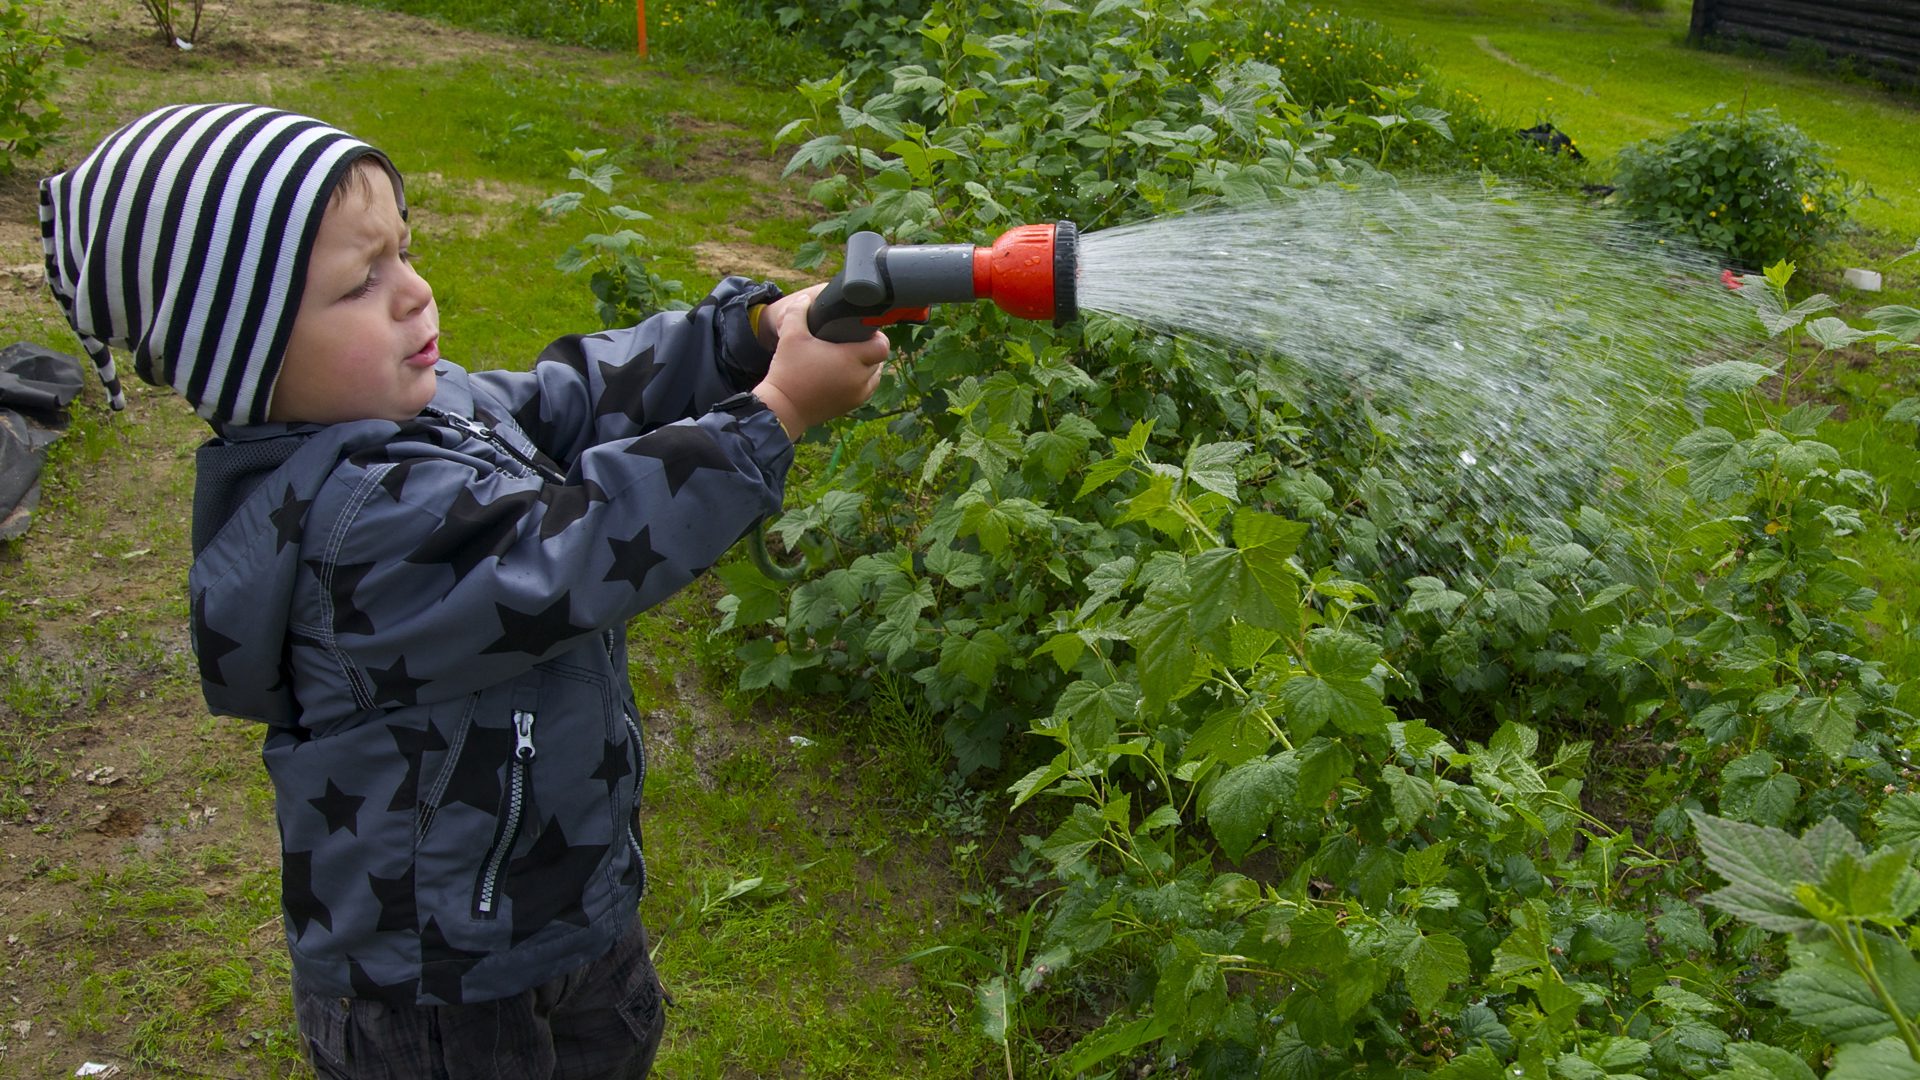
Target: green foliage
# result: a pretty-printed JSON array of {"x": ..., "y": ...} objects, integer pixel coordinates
[
  {"x": 33, "y": 53},
  {"x": 1743, "y": 183},
  {"x": 1310, "y": 750},
  {"x": 1852, "y": 976},
  {"x": 625, "y": 288}
]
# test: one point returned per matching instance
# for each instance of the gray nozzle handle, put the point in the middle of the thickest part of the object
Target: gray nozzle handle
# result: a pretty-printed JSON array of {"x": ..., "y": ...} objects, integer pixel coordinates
[{"x": 858, "y": 292}]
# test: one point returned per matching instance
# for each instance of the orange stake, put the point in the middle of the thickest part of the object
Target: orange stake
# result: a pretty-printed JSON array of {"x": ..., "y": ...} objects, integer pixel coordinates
[{"x": 642, "y": 13}]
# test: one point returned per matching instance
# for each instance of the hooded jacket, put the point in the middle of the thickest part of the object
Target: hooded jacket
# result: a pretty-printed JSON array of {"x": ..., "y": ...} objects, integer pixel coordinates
[{"x": 429, "y": 619}]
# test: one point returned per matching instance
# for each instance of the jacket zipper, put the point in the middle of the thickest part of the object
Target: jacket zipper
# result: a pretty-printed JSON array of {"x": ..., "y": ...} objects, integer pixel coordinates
[
  {"x": 639, "y": 782},
  {"x": 477, "y": 430},
  {"x": 486, "y": 896}
]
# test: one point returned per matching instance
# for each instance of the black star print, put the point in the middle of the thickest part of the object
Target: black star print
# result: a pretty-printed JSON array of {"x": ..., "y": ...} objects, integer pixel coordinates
[
  {"x": 442, "y": 966},
  {"x": 364, "y": 986},
  {"x": 566, "y": 504},
  {"x": 567, "y": 351},
  {"x": 633, "y": 559},
  {"x": 474, "y": 531},
  {"x": 289, "y": 519},
  {"x": 681, "y": 448},
  {"x": 534, "y": 426},
  {"x": 209, "y": 644},
  {"x": 346, "y": 577},
  {"x": 393, "y": 686},
  {"x": 613, "y": 764},
  {"x": 475, "y": 779},
  {"x": 545, "y": 884},
  {"x": 413, "y": 744},
  {"x": 535, "y": 632},
  {"x": 395, "y": 897},
  {"x": 296, "y": 893},
  {"x": 624, "y": 393},
  {"x": 341, "y": 809},
  {"x": 394, "y": 480}
]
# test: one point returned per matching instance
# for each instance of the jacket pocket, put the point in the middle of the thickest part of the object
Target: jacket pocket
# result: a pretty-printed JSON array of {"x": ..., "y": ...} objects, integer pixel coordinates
[{"x": 513, "y": 803}]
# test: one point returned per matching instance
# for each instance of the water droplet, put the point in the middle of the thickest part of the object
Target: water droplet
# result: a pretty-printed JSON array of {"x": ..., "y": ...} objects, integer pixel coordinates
[{"x": 1467, "y": 458}]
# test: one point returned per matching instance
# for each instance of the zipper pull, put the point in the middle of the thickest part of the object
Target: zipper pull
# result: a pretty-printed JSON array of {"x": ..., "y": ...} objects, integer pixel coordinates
[{"x": 523, "y": 736}]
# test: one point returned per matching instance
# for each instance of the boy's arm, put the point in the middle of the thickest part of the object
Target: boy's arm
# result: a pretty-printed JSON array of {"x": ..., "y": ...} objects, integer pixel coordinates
[
  {"x": 442, "y": 576},
  {"x": 587, "y": 389}
]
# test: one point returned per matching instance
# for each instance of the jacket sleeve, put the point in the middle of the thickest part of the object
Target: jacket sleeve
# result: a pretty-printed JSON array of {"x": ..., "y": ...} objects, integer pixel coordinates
[
  {"x": 438, "y": 573},
  {"x": 587, "y": 389}
]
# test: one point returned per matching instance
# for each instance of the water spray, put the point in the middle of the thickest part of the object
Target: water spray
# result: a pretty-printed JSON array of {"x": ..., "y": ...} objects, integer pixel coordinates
[{"x": 1030, "y": 272}]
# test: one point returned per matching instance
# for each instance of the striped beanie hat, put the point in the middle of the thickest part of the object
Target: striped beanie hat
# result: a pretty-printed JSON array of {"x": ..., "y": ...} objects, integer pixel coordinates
[{"x": 184, "y": 239}]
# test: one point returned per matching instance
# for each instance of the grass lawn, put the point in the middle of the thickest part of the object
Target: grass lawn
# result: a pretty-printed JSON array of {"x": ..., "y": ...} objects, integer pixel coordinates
[{"x": 1609, "y": 77}]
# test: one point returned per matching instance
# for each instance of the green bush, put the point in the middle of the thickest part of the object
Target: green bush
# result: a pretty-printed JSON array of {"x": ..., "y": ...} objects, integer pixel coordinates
[
  {"x": 1741, "y": 183},
  {"x": 1338, "y": 776},
  {"x": 32, "y": 54}
]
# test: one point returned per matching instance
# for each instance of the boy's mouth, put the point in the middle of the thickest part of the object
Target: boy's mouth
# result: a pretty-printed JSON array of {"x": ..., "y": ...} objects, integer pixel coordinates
[{"x": 428, "y": 355}]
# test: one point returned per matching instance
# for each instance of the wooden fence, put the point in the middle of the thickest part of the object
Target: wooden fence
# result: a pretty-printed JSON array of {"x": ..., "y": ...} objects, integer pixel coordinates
[{"x": 1883, "y": 36}]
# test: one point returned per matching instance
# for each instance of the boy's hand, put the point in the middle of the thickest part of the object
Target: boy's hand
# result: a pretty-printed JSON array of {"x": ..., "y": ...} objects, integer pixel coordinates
[{"x": 812, "y": 381}]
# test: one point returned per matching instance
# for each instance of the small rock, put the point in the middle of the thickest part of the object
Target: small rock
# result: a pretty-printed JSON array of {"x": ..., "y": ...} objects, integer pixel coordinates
[{"x": 21, "y": 1027}]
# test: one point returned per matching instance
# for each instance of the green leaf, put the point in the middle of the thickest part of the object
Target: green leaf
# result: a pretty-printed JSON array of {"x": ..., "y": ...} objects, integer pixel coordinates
[
  {"x": 1430, "y": 594},
  {"x": 1755, "y": 789},
  {"x": 1823, "y": 991},
  {"x": 1038, "y": 780},
  {"x": 1069, "y": 844},
  {"x": 1436, "y": 962},
  {"x": 1312, "y": 702},
  {"x": 1210, "y": 466},
  {"x": 1102, "y": 1045},
  {"x": 1717, "y": 464},
  {"x": 1887, "y": 1059},
  {"x": 1681, "y": 929},
  {"x": 1729, "y": 377},
  {"x": 1832, "y": 333},
  {"x": 1761, "y": 866},
  {"x": 1897, "y": 320},
  {"x": 1245, "y": 798},
  {"x": 1758, "y": 1061},
  {"x": 1899, "y": 818},
  {"x": 1828, "y": 720},
  {"x": 1162, "y": 636},
  {"x": 975, "y": 657},
  {"x": 990, "y": 1008}
]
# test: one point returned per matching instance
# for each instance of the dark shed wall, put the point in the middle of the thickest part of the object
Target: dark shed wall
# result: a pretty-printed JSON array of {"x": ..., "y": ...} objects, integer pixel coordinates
[{"x": 1884, "y": 35}]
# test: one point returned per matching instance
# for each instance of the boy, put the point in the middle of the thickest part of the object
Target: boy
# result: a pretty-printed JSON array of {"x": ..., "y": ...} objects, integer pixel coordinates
[{"x": 419, "y": 579}]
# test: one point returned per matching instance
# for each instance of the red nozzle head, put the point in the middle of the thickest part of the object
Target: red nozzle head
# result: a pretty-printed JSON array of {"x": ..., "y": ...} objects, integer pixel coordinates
[{"x": 1030, "y": 272}]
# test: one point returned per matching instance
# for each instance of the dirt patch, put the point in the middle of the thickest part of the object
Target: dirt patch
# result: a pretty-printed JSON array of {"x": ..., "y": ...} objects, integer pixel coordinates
[
  {"x": 280, "y": 35},
  {"x": 763, "y": 262}
]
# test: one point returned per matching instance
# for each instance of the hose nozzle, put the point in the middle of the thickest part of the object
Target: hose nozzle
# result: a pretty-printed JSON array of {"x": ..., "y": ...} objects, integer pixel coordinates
[{"x": 1029, "y": 272}]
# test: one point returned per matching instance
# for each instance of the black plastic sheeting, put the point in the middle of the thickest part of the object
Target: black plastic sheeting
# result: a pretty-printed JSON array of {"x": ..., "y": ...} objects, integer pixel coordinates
[{"x": 36, "y": 384}]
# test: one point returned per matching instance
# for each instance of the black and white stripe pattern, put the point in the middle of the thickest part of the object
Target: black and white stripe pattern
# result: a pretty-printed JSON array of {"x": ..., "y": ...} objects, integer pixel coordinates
[{"x": 184, "y": 238}]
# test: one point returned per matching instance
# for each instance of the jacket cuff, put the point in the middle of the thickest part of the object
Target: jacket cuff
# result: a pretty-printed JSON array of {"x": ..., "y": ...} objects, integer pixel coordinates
[
  {"x": 762, "y": 430},
  {"x": 742, "y": 359}
]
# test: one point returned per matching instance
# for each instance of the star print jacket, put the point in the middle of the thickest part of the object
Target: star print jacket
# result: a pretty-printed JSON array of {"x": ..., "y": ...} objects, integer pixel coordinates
[{"x": 429, "y": 619}]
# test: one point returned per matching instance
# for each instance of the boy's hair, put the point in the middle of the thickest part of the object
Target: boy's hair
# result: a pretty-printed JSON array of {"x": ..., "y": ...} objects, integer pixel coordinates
[{"x": 184, "y": 239}]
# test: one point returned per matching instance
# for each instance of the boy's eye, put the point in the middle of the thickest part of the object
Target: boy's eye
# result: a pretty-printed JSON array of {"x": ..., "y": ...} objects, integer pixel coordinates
[{"x": 365, "y": 287}]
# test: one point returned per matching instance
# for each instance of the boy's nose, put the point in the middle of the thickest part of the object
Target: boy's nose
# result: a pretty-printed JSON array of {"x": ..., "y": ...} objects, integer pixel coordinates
[{"x": 413, "y": 293}]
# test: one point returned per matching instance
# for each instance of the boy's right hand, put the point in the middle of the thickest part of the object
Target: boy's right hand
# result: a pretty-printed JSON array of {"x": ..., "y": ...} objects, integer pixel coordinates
[{"x": 811, "y": 381}]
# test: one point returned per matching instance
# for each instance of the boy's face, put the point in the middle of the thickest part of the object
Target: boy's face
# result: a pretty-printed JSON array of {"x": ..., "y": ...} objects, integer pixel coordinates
[{"x": 367, "y": 334}]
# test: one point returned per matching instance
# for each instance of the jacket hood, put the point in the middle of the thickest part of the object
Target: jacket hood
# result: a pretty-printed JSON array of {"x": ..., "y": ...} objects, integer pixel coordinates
[{"x": 252, "y": 486}]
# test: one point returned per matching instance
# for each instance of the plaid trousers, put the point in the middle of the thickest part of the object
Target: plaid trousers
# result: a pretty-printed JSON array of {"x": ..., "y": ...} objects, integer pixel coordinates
[{"x": 603, "y": 1022}]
